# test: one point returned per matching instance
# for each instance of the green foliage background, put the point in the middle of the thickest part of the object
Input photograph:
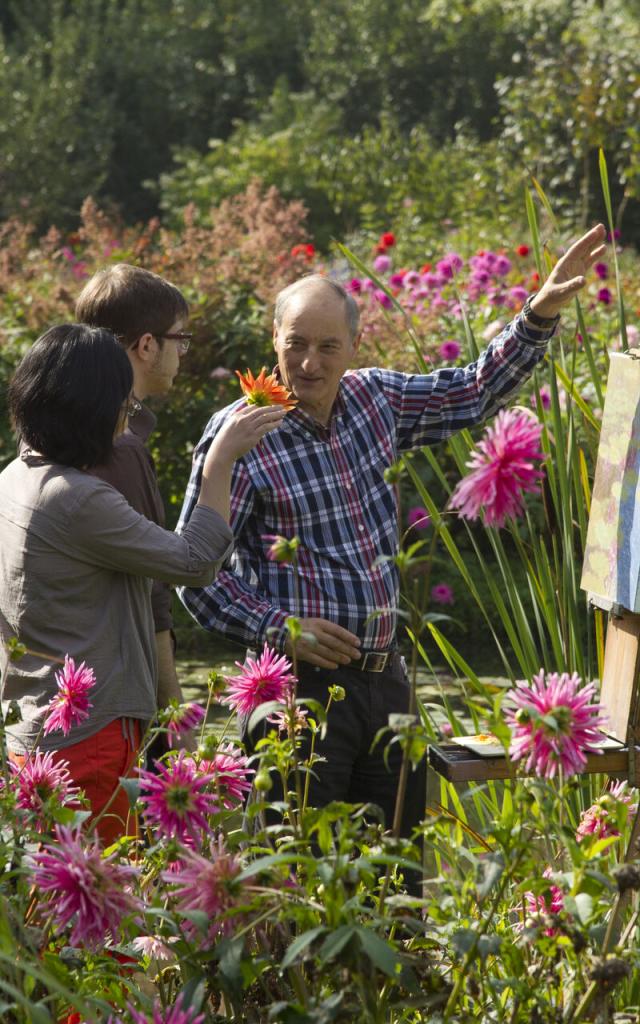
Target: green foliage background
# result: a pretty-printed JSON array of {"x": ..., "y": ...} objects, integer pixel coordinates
[{"x": 352, "y": 105}]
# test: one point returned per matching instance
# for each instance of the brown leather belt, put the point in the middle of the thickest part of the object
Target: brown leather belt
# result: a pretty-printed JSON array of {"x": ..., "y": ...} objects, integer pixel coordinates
[{"x": 372, "y": 661}]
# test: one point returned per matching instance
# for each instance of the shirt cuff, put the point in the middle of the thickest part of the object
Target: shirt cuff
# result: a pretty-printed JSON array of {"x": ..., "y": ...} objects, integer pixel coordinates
[
  {"x": 272, "y": 629},
  {"x": 536, "y": 336}
]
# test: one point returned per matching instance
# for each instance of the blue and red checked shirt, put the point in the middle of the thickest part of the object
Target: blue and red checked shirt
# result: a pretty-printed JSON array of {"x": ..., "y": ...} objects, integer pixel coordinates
[{"x": 326, "y": 486}]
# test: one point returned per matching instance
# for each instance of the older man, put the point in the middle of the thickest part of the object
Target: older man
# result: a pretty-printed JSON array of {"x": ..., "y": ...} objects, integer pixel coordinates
[{"x": 321, "y": 477}]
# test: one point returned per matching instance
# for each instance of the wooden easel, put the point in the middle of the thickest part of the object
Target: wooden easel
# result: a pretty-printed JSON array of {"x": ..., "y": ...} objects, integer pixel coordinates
[{"x": 620, "y": 697}]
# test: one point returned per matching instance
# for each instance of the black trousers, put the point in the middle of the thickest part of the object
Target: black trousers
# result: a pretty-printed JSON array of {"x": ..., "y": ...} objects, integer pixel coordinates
[{"x": 351, "y": 771}]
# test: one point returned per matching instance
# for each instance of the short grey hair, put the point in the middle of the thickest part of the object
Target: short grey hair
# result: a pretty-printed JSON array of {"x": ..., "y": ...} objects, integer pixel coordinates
[{"x": 283, "y": 298}]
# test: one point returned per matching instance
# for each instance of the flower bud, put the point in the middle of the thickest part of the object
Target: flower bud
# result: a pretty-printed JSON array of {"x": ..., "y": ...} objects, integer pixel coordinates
[
  {"x": 337, "y": 692},
  {"x": 263, "y": 782}
]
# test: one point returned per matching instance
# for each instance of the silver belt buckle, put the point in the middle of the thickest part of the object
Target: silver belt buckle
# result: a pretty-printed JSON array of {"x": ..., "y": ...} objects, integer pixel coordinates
[{"x": 374, "y": 661}]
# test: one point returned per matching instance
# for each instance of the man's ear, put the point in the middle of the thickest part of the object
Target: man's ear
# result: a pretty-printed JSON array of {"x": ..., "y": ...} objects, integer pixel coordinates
[
  {"x": 356, "y": 342},
  {"x": 146, "y": 347},
  {"x": 275, "y": 333}
]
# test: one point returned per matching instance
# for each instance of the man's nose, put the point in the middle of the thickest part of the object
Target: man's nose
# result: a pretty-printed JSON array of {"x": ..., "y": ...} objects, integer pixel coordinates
[{"x": 310, "y": 361}]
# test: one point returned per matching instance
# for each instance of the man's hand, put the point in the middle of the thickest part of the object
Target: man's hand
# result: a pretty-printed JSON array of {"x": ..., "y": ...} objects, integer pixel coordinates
[
  {"x": 331, "y": 647},
  {"x": 567, "y": 277}
]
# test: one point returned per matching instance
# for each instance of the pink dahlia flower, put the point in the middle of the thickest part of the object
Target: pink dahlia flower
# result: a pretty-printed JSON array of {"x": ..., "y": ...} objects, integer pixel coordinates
[
  {"x": 230, "y": 772},
  {"x": 450, "y": 350},
  {"x": 548, "y": 904},
  {"x": 269, "y": 677},
  {"x": 153, "y": 948},
  {"x": 40, "y": 781},
  {"x": 442, "y": 593},
  {"x": 160, "y": 1015},
  {"x": 603, "y": 818},
  {"x": 502, "y": 469},
  {"x": 88, "y": 891},
  {"x": 71, "y": 704},
  {"x": 182, "y": 719},
  {"x": 545, "y": 398},
  {"x": 176, "y": 799},
  {"x": 208, "y": 884},
  {"x": 282, "y": 719},
  {"x": 554, "y": 724},
  {"x": 381, "y": 264},
  {"x": 418, "y": 518}
]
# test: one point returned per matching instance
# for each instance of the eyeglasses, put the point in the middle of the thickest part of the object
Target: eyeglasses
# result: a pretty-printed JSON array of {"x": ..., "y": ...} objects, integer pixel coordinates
[{"x": 181, "y": 338}]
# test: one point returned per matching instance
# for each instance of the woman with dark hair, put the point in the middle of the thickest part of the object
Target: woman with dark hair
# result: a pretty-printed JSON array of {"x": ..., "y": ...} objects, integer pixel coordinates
[{"x": 76, "y": 561}]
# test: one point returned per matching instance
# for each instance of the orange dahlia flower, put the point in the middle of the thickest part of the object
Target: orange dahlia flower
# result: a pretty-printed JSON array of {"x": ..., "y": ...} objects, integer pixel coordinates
[{"x": 265, "y": 389}]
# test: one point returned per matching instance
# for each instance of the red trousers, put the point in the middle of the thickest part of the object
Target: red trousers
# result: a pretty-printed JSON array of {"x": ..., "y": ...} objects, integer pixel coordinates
[{"x": 95, "y": 765}]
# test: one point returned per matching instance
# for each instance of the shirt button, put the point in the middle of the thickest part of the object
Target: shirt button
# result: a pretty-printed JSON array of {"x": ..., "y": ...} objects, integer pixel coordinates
[{"x": 361, "y": 527}]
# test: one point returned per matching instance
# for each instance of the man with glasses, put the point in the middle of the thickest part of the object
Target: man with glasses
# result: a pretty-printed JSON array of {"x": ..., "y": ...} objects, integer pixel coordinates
[{"x": 148, "y": 315}]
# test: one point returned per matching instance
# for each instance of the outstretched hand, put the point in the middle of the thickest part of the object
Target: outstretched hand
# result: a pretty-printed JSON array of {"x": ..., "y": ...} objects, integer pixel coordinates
[
  {"x": 243, "y": 428},
  {"x": 568, "y": 276}
]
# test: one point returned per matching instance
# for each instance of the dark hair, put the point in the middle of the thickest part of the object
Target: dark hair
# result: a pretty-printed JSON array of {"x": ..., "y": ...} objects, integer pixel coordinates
[
  {"x": 130, "y": 301},
  {"x": 68, "y": 392}
]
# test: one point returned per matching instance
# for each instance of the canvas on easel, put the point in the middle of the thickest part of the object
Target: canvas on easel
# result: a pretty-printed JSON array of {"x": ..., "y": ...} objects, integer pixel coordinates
[{"x": 611, "y": 567}]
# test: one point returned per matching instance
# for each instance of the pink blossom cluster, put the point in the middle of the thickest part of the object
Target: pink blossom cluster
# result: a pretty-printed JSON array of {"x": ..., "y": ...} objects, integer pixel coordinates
[
  {"x": 555, "y": 723},
  {"x": 41, "y": 784},
  {"x": 547, "y": 905},
  {"x": 87, "y": 891},
  {"x": 503, "y": 469},
  {"x": 604, "y": 817},
  {"x": 488, "y": 277}
]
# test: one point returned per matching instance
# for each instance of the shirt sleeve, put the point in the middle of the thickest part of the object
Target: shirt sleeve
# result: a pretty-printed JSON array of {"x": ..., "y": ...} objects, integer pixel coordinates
[
  {"x": 430, "y": 407},
  {"x": 130, "y": 469},
  {"x": 230, "y": 604},
  {"x": 105, "y": 530}
]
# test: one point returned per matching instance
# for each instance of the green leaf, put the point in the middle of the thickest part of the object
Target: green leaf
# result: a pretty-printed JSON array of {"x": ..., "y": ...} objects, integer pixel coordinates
[
  {"x": 262, "y": 711},
  {"x": 463, "y": 940},
  {"x": 132, "y": 789},
  {"x": 300, "y": 944},
  {"x": 381, "y": 954},
  {"x": 488, "y": 945},
  {"x": 230, "y": 961},
  {"x": 490, "y": 870},
  {"x": 580, "y": 906},
  {"x": 335, "y": 942}
]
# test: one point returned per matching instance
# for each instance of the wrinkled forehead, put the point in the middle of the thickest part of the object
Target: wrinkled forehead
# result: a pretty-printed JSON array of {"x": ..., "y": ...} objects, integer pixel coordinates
[{"x": 315, "y": 312}]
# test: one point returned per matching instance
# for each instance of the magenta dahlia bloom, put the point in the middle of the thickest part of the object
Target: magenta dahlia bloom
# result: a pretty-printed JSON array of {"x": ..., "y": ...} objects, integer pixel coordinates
[
  {"x": 176, "y": 799},
  {"x": 182, "y": 719},
  {"x": 269, "y": 677},
  {"x": 450, "y": 350},
  {"x": 502, "y": 469},
  {"x": 160, "y": 1015},
  {"x": 229, "y": 769},
  {"x": 545, "y": 398},
  {"x": 282, "y": 720},
  {"x": 548, "y": 904},
  {"x": 208, "y": 884},
  {"x": 554, "y": 723},
  {"x": 86, "y": 890},
  {"x": 418, "y": 518},
  {"x": 383, "y": 298},
  {"x": 71, "y": 704},
  {"x": 442, "y": 593},
  {"x": 381, "y": 264},
  {"x": 39, "y": 782},
  {"x": 602, "y": 819}
]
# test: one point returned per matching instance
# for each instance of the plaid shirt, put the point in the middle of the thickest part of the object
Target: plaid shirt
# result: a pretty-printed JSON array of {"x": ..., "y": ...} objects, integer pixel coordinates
[{"x": 326, "y": 485}]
